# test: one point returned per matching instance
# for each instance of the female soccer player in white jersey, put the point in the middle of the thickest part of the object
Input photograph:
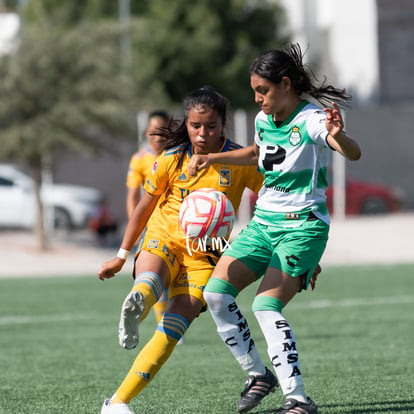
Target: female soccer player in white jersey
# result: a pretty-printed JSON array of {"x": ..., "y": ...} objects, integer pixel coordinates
[
  {"x": 164, "y": 260},
  {"x": 287, "y": 235}
]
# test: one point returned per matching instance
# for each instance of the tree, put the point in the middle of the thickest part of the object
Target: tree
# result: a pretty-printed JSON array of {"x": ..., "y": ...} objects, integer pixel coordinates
[
  {"x": 66, "y": 87},
  {"x": 176, "y": 46},
  {"x": 207, "y": 42},
  {"x": 62, "y": 90}
]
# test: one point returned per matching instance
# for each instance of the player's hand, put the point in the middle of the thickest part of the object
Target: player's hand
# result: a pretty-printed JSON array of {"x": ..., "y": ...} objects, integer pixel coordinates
[
  {"x": 314, "y": 277},
  {"x": 198, "y": 162},
  {"x": 334, "y": 122},
  {"x": 110, "y": 268}
]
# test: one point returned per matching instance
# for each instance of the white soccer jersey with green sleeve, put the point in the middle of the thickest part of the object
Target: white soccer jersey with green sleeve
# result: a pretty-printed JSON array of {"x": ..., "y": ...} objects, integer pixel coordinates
[{"x": 294, "y": 158}]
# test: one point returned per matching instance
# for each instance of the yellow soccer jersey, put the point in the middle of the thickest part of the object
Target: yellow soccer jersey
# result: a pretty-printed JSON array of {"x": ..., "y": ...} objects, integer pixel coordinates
[
  {"x": 140, "y": 167},
  {"x": 176, "y": 183}
]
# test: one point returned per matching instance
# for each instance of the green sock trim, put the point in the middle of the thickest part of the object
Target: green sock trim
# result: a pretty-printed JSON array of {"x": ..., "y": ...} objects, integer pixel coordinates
[
  {"x": 267, "y": 303},
  {"x": 215, "y": 285}
]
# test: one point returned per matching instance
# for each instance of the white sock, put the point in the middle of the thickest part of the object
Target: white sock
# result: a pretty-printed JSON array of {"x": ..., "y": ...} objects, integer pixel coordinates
[
  {"x": 281, "y": 348},
  {"x": 234, "y": 331}
]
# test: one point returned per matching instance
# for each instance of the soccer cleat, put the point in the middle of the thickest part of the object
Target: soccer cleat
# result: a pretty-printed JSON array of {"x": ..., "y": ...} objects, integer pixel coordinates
[
  {"x": 118, "y": 408},
  {"x": 292, "y": 406},
  {"x": 255, "y": 389},
  {"x": 131, "y": 312}
]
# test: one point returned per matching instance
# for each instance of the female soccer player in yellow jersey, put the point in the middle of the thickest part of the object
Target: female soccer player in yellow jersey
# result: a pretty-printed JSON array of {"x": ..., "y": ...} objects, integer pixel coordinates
[{"x": 164, "y": 260}]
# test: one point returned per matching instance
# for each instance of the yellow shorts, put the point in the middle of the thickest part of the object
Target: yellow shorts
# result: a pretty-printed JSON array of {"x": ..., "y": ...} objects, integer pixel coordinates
[{"x": 189, "y": 274}]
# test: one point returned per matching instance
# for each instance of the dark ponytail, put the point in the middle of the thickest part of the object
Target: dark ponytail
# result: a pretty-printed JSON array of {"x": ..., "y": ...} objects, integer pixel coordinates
[{"x": 275, "y": 64}]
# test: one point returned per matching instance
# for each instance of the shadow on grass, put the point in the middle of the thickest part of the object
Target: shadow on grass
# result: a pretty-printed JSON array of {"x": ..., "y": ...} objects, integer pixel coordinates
[{"x": 359, "y": 408}]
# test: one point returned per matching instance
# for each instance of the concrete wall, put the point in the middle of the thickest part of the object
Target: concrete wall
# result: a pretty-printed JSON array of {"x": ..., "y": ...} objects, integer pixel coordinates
[
  {"x": 396, "y": 47},
  {"x": 388, "y": 147},
  {"x": 105, "y": 172}
]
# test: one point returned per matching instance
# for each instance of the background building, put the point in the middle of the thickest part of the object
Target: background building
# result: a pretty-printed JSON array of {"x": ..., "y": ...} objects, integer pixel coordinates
[
  {"x": 9, "y": 28},
  {"x": 340, "y": 37},
  {"x": 365, "y": 46}
]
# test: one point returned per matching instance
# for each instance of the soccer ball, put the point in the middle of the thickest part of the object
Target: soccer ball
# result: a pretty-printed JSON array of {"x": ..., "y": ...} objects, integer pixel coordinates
[{"x": 206, "y": 213}]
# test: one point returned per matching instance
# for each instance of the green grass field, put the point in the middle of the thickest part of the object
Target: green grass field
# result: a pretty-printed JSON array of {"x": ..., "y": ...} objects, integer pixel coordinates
[{"x": 59, "y": 350}]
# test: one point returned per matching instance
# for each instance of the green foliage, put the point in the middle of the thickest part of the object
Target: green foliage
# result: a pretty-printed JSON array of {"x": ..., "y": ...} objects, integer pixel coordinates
[
  {"x": 79, "y": 76},
  {"x": 60, "y": 352},
  {"x": 178, "y": 46},
  {"x": 62, "y": 89},
  {"x": 71, "y": 13},
  {"x": 209, "y": 42}
]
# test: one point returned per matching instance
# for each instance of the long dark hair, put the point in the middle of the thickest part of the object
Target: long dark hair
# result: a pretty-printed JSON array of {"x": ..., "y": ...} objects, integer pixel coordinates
[
  {"x": 275, "y": 64},
  {"x": 175, "y": 133}
]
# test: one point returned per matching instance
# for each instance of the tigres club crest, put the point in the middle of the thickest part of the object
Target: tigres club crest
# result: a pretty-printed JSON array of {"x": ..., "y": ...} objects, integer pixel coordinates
[
  {"x": 225, "y": 177},
  {"x": 295, "y": 136}
]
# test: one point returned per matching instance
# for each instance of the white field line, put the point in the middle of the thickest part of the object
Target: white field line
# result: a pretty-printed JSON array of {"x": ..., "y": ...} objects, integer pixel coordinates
[
  {"x": 64, "y": 317},
  {"x": 318, "y": 304},
  {"x": 344, "y": 303}
]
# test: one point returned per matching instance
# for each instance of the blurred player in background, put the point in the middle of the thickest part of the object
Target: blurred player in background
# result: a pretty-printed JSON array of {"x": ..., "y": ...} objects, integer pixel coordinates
[
  {"x": 104, "y": 224},
  {"x": 287, "y": 235},
  {"x": 142, "y": 161},
  {"x": 163, "y": 261}
]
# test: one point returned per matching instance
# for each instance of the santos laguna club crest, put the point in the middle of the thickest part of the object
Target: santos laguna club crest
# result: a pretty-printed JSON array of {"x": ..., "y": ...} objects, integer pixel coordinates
[{"x": 295, "y": 136}]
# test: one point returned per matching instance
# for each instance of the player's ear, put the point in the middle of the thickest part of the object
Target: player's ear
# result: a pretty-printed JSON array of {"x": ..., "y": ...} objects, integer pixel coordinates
[{"x": 286, "y": 83}]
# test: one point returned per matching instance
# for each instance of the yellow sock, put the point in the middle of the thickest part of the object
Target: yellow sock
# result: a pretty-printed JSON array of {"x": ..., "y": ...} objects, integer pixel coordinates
[
  {"x": 150, "y": 286},
  {"x": 161, "y": 306},
  {"x": 152, "y": 357}
]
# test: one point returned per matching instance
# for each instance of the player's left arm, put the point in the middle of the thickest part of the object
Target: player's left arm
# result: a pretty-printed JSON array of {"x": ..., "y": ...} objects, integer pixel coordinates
[
  {"x": 337, "y": 139},
  {"x": 132, "y": 199}
]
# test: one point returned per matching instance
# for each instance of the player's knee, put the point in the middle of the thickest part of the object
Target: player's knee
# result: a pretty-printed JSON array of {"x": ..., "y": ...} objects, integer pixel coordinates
[
  {"x": 216, "y": 285},
  {"x": 267, "y": 303},
  {"x": 213, "y": 300},
  {"x": 220, "y": 303}
]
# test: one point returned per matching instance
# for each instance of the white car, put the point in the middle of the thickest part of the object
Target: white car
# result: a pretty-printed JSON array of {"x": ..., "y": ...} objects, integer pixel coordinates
[{"x": 71, "y": 206}]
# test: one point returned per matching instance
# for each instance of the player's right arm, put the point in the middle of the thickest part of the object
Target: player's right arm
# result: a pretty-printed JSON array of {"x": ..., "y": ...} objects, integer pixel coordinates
[
  {"x": 242, "y": 156},
  {"x": 133, "y": 197},
  {"x": 136, "y": 224},
  {"x": 134, "y": 181}
]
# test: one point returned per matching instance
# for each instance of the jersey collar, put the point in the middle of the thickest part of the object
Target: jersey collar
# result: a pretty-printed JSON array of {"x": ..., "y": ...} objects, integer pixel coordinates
[{"x": 290, "y": 117}]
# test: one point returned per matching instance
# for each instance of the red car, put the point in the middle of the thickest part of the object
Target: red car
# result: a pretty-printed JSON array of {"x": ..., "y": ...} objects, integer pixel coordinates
[{"x": 368, "y": 198}]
